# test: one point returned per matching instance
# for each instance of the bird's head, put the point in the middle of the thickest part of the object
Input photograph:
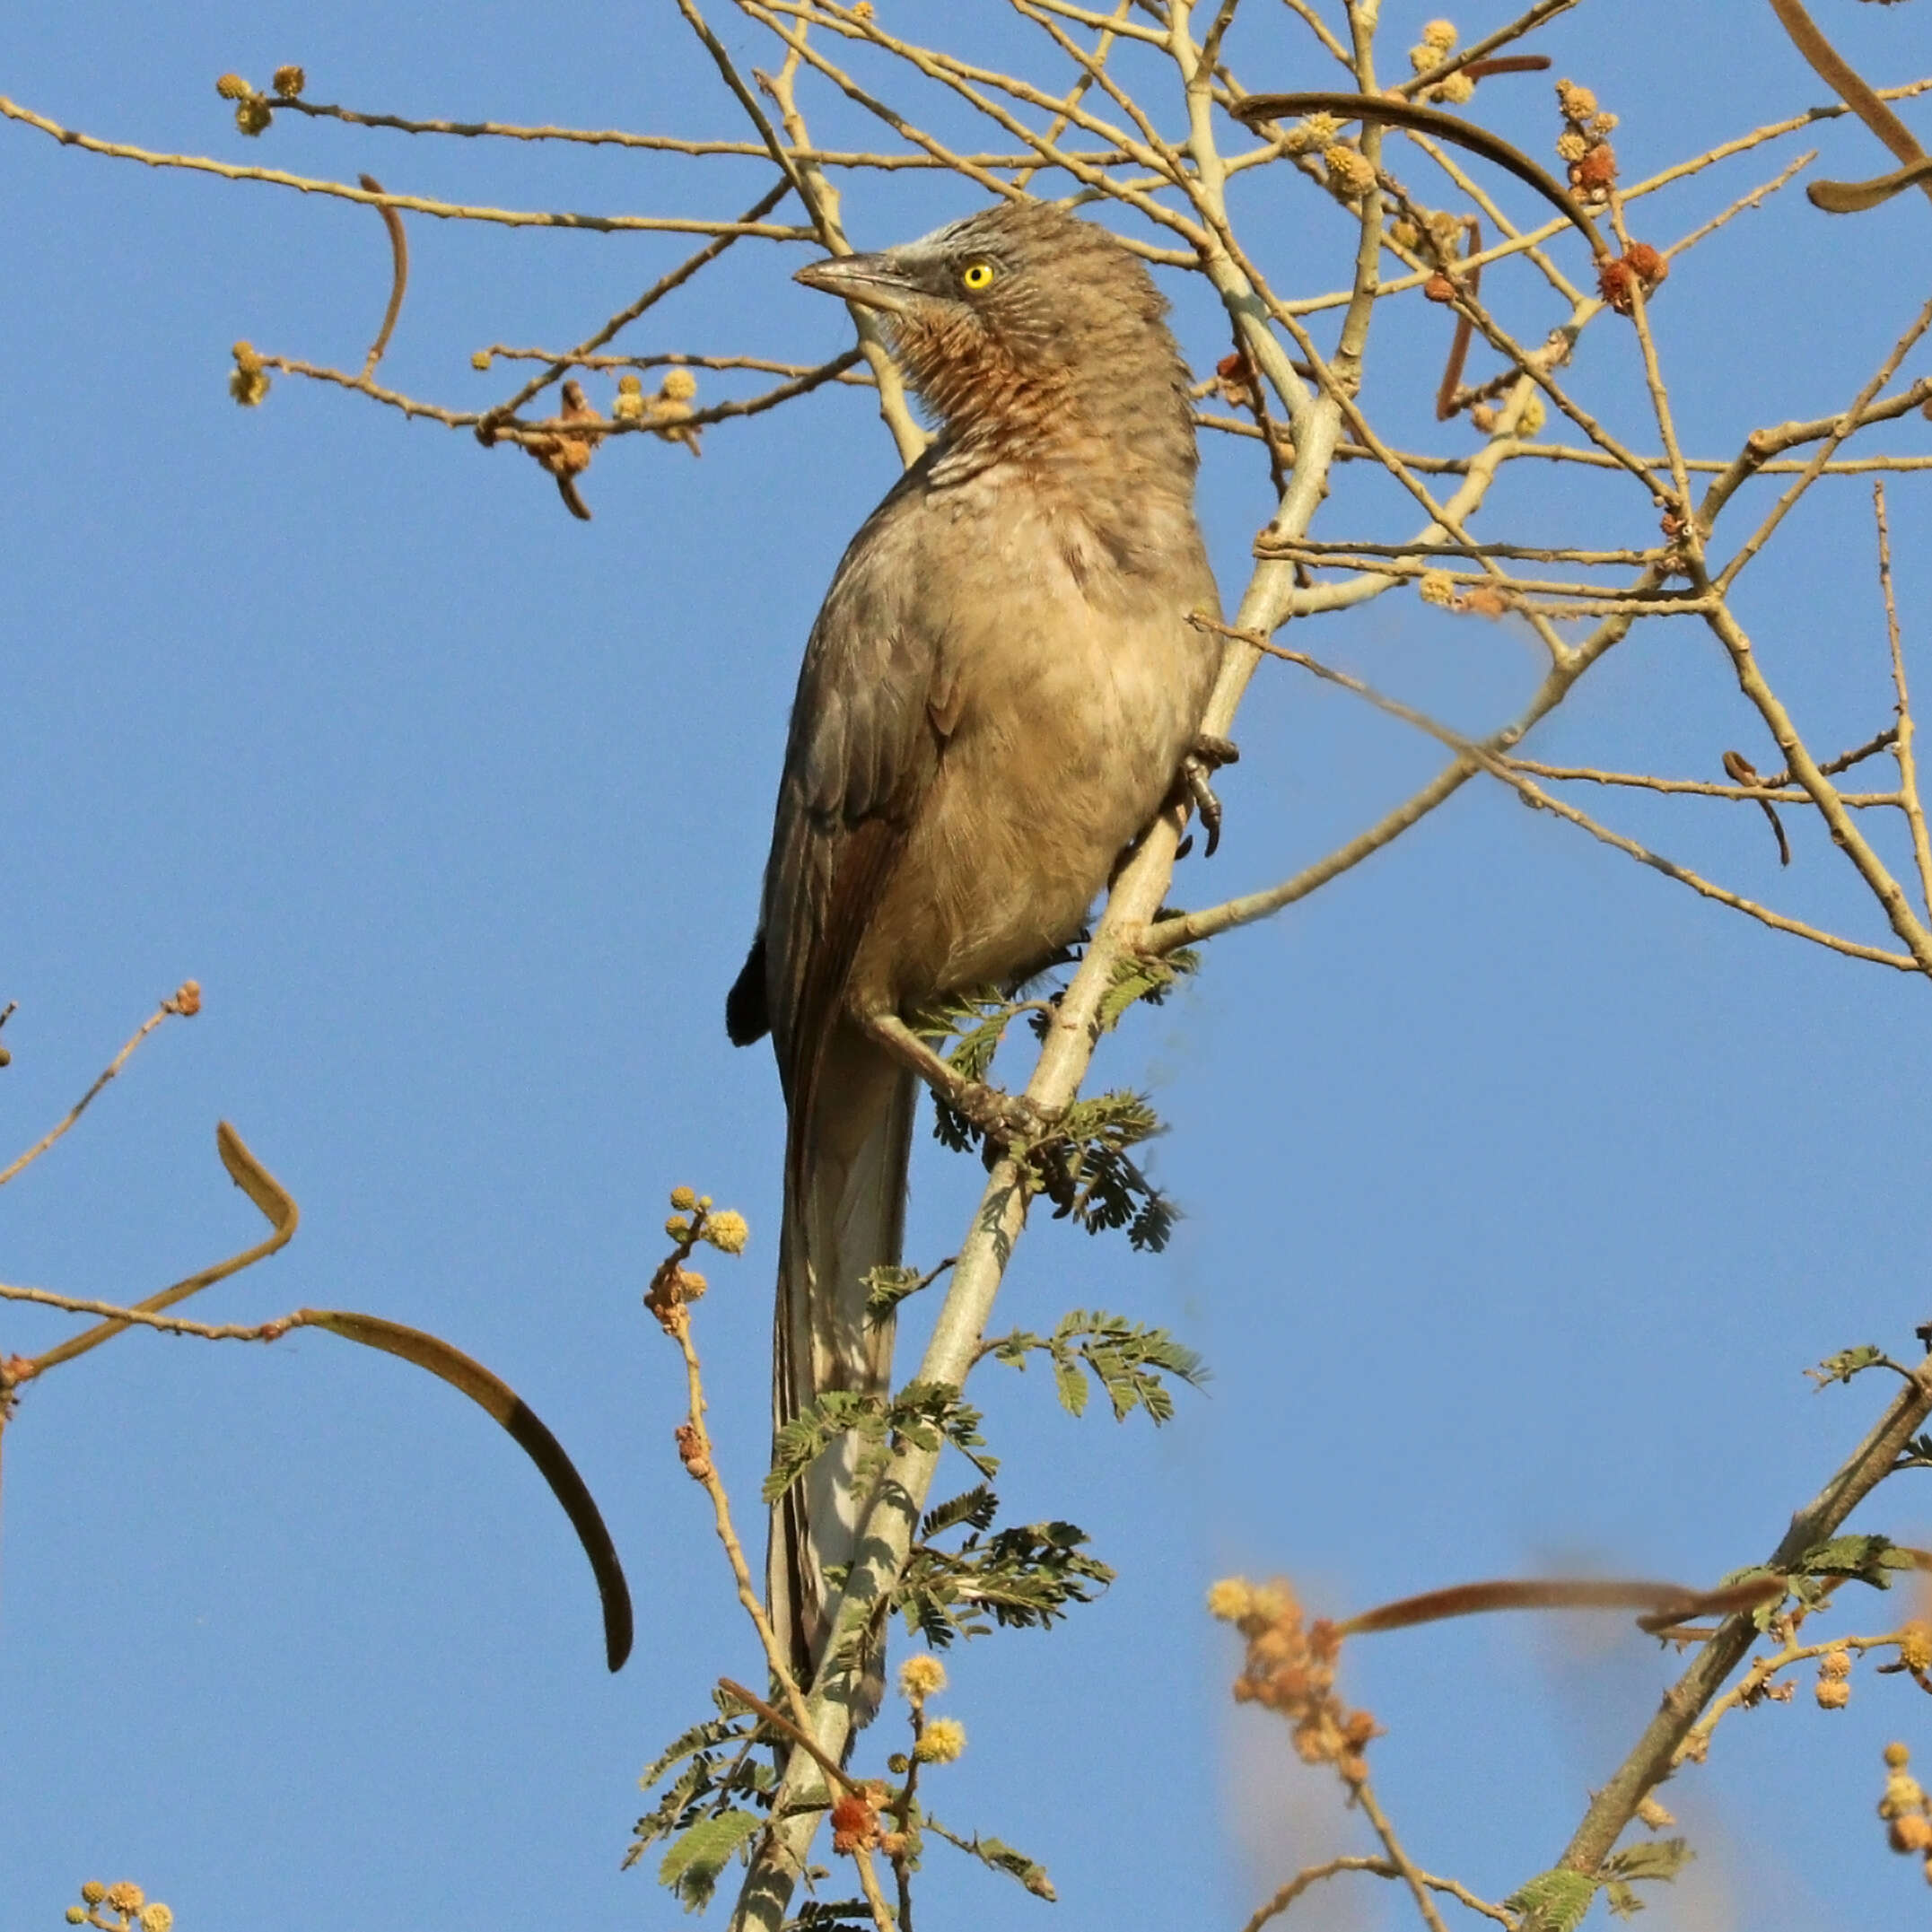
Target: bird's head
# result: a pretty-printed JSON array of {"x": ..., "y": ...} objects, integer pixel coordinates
[{"x": 1021, "y": 325}]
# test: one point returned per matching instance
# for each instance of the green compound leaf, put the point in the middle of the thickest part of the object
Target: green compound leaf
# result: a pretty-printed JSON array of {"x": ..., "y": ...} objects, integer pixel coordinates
[
  {"x": 1557, "y": 1901},
  {"x": 1870, "y": 1559},
  {"x": 1000, "y": 1857},
  {"x": 1132, "y": 1361},
  {"x": 1846, "y": 1363},
  {"x": 694, "y": 1864}
]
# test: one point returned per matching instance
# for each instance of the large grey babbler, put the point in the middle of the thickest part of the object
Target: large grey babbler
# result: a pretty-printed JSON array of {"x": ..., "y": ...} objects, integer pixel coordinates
[{"x": 995, "y": 702}]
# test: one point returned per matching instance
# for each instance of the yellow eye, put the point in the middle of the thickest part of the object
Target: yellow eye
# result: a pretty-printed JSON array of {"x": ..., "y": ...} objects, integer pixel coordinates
[{"x": 977, "y": 276}]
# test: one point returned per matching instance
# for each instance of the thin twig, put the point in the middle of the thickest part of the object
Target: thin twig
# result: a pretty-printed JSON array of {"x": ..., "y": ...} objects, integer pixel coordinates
[
  {"x": 675, "y": 1321},
  {"x": 1691, "y": 787},
  {"x": 1364, "y": 1795},
  {"x": 1314, "y": 1874},
  {"x": 448, "y": 210},
  {"x": 181, "y": 1003},
  {"x": 625, "y": 316},
  {"x": 138, "y": 1315},
  {"x": 272, "y": 1200},
  {"x": 1901, "y": 737}
]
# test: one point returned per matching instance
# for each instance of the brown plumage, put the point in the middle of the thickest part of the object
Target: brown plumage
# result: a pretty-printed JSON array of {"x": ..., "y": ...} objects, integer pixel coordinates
[{"x": 995, "y": 701}]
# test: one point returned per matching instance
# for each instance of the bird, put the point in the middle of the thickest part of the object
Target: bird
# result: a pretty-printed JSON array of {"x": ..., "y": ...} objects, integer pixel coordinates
[{"x": 1001, "y": 692}]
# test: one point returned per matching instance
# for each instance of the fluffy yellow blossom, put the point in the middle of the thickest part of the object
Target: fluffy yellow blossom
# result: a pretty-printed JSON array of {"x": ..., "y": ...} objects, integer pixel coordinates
[
  {"x": 727, "y": 1230},
  {"x": 921, "y": 1677},
  {"x": 1309, "y": 136},
  {"x": 944, "y": 1739},
  {"x": 288, "y": 81},
  {"x": 680, "y": 385},
  {"x": 1349, "y": 171},
  {"x": 1439, "y": 34},
  {"x": 1230, "y": 1599}
]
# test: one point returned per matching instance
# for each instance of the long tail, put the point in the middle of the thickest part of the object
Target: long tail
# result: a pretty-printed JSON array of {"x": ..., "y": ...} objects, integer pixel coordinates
[{"x": 845, "y": 1162}]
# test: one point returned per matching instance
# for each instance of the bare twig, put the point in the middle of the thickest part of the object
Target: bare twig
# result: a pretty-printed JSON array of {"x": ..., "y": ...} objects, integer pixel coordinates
[
  {"x": 1902, "y": 735},
  {"x": 1314, "y": 1874},
  {"x": 275, "y": 1204},
  {"x": 448, "y": 210},
  {"x": 185, "y": 1002}
]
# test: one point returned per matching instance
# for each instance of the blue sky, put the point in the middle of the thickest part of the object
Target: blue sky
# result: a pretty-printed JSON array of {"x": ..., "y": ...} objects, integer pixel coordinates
[{"x": 1519, "y": 1185}]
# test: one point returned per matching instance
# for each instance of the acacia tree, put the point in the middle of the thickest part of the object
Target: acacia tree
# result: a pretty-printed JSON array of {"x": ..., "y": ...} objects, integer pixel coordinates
[{"x": 1160, "y": 118}]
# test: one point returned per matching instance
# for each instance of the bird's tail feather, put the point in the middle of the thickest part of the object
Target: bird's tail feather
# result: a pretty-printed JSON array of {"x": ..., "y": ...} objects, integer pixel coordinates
[{"x": 844, "y": 1214}]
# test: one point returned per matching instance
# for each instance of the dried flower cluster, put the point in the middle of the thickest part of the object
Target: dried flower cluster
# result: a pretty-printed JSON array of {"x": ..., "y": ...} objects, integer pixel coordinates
[
  {"x": 856, "y": 1821},
  {"x": 1436, "y": 44},
  {"x": 250, "y": 382},
  {"x": 1906, "y": 1809},
  {"x": 1290, "y": 1668},
  {"x": 1585, "y": 143},
  {"x": 1641, "y": 266},
  {"x": 131, "y": 1909}
]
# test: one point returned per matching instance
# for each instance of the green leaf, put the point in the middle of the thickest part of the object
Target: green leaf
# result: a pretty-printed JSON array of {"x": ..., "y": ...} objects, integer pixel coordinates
[
  {"x": 977, "y": 1508},
  {"x": 1917, "y": 1454},
  {"x": 1659, "y": 1858},
  {"x": 692, "y": 1867},
  {"x": 1069, "y": 1383},
  {"x": 1556, "y": 1900},
  {"x": 814, "y": 1429},
  {"x": 708, "y": 1736},
  {"x": 925, "y": 1413},
  {"x": 1085, "y": 1171},
  {"x": 1620, "y": 1900},
  {"x": 1866, "y": 1558},
  {"x": 888, "y": 1285},
  {"x": 1000, "y": 1857},
  {"x": 1845, "y": 1364},
  {"x": 1130, "y": 1360}
]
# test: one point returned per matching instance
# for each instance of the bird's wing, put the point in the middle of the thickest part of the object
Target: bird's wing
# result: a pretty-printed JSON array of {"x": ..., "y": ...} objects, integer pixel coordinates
[{"x": 867, "y": 730}]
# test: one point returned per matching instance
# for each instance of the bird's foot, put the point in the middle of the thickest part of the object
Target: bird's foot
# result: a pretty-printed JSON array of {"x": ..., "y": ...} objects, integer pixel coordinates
[
  {"x": 1204, "y": 758},
  {"x": 1009, "y": 1121}
]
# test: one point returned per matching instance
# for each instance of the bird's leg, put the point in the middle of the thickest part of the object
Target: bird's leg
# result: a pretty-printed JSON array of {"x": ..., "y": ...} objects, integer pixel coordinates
[
  {"x": 1003, "y": 1118},
  {"x": 1203, "y": 758}
]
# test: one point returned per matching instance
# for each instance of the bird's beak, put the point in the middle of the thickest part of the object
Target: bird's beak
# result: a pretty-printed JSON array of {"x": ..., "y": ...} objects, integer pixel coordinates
[{"x": 874, "y": 281}]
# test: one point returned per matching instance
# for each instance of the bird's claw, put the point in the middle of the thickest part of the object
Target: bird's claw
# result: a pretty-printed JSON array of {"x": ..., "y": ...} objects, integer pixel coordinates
[
  {"x": 1007, "y": 1120},
  {"x": 1205, "y": 756}
]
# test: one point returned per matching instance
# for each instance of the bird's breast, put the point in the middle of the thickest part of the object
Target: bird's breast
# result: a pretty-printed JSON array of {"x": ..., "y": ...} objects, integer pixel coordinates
[{"x": 1075, "y": 685}]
